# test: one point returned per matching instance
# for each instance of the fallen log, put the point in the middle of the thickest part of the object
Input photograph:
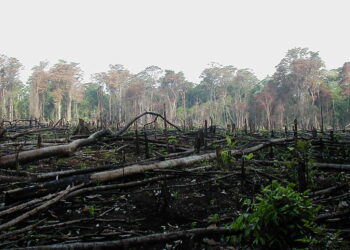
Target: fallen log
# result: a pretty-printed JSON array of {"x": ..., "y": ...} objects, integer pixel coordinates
[
  {"x": 36, "y": 210},
  {"x": 42, "y": 153},
  {"x": 326, "y": 190},
  {"x": 12, "y": 196},
  {"x": 25, "y": 205},
  {"x": 345, "y": 167},
  {"x": 185, "y": 161},
  {"x": 142, "y": 240},
  {"x": 33, "y": 191},
  {"x": 66, "y": 150}
]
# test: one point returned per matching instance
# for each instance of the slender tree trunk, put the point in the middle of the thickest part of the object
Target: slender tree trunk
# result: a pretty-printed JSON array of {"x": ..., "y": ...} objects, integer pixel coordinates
[
  {"x": 58, "y": 112},
  {"x": 69, "y": 106}
]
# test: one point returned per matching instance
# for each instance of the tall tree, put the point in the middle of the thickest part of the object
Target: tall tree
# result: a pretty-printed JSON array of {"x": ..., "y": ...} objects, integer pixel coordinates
[
  {"x": 9, "y": 83},
  {"x": 345, "y": 82},
  {"x": 297, "y": 78},
  {"x": 172, "y": 85},
  {"x": 115, "y": 80},
  {"x": 39, "y": 83},
  {"x": 63, "y": 77}
]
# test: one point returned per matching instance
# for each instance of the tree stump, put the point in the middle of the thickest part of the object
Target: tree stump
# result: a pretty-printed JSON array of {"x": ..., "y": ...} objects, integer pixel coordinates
[{"x": 82, "y": 128}]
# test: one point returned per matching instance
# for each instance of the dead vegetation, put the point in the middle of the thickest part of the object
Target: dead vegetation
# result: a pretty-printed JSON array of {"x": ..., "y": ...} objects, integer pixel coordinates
[{"x": 150, "y": 188}]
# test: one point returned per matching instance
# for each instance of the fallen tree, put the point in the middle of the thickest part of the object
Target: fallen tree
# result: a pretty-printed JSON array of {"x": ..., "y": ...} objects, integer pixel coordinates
[
  {"x": 12, "y": 196},
  {"x": 184, "y": 161},
  {"x": 68, "y": 149},
  {"x": 42, "y": 153}
]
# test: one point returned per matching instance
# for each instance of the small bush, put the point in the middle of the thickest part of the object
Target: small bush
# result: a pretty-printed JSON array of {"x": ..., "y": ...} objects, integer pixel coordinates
[{"x": 280, "y": 217}]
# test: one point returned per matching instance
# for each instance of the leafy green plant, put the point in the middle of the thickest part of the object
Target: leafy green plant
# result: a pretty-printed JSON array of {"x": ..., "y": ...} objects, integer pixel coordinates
[
  {"x": 301, "y": 155},
  {"x": 61, "y": 161},
  {"x": 226, "y": 157},
  {"x": 321, "y": 238},
  {"x": 264, "y": 132},
  {"x": 231, "y": 144},
  {"x": 214, "y": 218},
  {"x": 82, "y": 165},
  {"x": 172, "y": 140},
  {"x": 87, "y": 150},
  {"x": 98, "y": 183},
  {"x": 194, "y": 224},
  {"x": 175, "y": 195},
  {"x": 108, "y": 155},
  {"x": 248, "y": 157},
  {"x": 278, "y": 219},
  {"x": 92, "y": 210}
]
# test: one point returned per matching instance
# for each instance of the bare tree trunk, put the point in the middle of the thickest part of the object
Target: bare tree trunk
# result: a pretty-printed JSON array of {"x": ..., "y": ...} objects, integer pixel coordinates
[
  {"x": 59, "y": 111},
  {"x": 34, "y": 102},
  {"x": 69, "y": 106},
  {"x": 110, "y": 106}
]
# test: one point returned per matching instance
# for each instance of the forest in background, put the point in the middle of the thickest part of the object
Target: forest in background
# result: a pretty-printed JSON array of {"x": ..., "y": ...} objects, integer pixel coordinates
[{"x": 301, "y": 88}]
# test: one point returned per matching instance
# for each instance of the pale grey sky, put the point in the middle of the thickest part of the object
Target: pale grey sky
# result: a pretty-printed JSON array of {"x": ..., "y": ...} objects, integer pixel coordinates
[{"x": 181, "y": 35}]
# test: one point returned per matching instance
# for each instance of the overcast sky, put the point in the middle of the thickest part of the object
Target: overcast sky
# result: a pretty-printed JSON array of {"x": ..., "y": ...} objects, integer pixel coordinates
[{"x": 183, "y": 35}]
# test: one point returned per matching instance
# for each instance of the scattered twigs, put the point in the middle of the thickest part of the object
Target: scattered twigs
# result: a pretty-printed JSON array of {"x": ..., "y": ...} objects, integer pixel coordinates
[
  {"x": 20, "y": 231},
  {"x": 332, "y": 215},
  {"x": 63, "y": 224},
  {"x": 267, "y": 175},
  {"x": 25, "y": 205},
  {"x": 28, "y": 132},
  {"x": 142, "y": 240},
  {"x": 326, "y": 190},
  {"x": 36, "y": 210},
  {"x": 118, "y": 186}
]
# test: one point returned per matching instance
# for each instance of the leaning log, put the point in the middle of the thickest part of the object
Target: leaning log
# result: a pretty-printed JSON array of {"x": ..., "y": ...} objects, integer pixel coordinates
[{"x": 42, "y": 153}]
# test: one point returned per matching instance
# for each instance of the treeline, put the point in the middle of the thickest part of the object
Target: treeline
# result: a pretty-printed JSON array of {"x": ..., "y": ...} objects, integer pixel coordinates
[{"x": 300, "y": 88}]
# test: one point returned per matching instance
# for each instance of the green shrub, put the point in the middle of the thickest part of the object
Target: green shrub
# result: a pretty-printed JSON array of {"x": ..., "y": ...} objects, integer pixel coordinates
[{"x": 280, "y": 217}]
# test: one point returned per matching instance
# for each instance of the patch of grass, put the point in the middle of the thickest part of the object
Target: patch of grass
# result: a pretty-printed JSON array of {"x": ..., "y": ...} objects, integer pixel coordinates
[
  {"x": 61, "y": 161},
  {"x": 82, "y": 165}
]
